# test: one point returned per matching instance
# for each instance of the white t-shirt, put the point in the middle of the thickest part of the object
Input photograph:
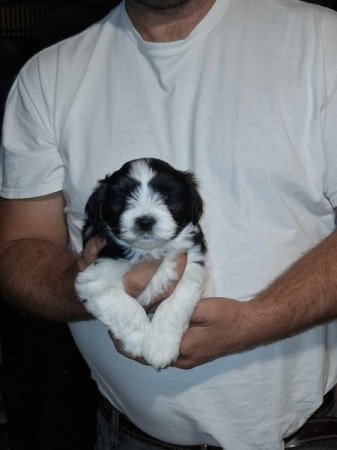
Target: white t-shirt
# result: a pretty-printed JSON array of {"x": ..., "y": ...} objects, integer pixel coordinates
[{"x": 248, "y": 101}]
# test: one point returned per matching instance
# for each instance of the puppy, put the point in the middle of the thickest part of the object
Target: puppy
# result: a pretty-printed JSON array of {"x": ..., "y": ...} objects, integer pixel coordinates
[{"x": 146, "y": 210}]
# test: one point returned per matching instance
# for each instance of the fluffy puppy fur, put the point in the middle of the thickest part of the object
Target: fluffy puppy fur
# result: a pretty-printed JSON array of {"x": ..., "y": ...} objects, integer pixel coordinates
[{"x": 146, "y": 210}]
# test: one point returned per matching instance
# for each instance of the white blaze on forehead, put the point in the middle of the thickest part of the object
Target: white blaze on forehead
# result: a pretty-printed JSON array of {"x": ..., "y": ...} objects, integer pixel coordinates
[
  {"x": 144, "y": 199},
  {"x": 141, "y": 172}
]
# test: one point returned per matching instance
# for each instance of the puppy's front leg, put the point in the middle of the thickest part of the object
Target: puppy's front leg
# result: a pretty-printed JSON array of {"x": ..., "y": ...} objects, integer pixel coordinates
[
  {"x": 162, "y": 339},
  {"x": 100, "y": 287}
]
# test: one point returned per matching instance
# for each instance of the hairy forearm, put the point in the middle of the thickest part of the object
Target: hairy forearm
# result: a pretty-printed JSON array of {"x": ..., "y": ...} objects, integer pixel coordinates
[
  {"x": 39, "y": 276},
  {"x": 304, "y": 296}
]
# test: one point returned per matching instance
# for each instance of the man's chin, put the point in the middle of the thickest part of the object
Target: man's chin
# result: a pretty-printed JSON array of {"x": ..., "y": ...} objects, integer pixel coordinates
[{"x": 160, "y": 5}]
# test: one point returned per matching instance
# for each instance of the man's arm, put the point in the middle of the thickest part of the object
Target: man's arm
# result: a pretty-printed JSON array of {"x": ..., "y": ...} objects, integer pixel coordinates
[
  {"x": 37, "y": 272},
  {"x": 304, "y": 296}
]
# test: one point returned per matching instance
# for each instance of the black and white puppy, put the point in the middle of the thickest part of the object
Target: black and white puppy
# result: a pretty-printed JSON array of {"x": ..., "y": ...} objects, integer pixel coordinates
[{"x": 146, "y": 210}]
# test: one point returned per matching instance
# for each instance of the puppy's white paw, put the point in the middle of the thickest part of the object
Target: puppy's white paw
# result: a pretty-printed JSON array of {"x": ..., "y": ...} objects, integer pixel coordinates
[
  {"x": 102, "y": 275},
  {"x": 94, "y": 288},
  {"x": 161, "y": 347},
  {"x": 89, "y": 283},
  {"x": 133, "y": 343}
]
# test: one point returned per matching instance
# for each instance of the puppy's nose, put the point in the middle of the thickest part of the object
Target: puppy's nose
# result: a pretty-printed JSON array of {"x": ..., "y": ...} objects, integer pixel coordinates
[{"x": 145, "y": 223}]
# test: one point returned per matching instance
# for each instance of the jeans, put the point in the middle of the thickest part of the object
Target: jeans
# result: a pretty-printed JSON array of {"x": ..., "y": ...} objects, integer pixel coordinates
[{"x": 111, "y": 437}]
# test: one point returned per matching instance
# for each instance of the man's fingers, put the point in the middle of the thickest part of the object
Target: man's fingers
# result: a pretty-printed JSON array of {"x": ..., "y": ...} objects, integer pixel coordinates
[
  {"x": 181, "y": 262},
  {"x": 180, "y": 267},
  {"x": 90, "y": 252},
  {"x": 137, "y": 279}
]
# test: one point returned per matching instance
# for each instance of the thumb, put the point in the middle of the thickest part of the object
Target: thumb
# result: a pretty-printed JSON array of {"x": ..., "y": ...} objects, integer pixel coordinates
[{"x": 90, "y": 252}]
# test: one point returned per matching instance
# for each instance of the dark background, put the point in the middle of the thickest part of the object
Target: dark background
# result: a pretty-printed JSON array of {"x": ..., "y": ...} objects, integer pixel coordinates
[{"x": 49, "y": 401}]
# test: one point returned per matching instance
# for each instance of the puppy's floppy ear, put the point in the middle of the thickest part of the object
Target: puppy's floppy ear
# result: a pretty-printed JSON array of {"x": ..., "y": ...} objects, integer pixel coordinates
[
  {"x": 93, "y": 211},
  {"x": 195, "y": 199}
]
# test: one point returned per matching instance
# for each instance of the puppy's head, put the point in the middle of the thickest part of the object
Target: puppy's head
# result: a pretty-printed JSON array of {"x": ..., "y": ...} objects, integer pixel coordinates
[{"x": 144, "y": 204}]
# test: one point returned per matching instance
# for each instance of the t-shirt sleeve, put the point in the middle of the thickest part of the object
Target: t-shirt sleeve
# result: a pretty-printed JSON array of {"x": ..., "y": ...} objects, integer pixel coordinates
[
  {"x": 31, "y": 164},
  {"x": 329, "y": 34},
  {"x": 330, "y": 144}
]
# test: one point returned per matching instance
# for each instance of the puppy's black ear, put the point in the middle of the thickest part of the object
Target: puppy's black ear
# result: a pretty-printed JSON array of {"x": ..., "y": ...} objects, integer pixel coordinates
[
  {"x": 93, "y": 210},
  {"x": 195, "y": 198}
]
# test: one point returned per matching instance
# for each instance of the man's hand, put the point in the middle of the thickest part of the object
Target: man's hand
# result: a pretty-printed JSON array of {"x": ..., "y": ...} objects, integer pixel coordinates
[
  {"x": 217, "y": 328},
  {"x": 137, "y": 279}
]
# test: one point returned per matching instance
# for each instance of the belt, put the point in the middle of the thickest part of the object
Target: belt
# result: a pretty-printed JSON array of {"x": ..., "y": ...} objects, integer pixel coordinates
[
  {"x": 317, "y": 427},
  {"x": 131, "y": 430}
]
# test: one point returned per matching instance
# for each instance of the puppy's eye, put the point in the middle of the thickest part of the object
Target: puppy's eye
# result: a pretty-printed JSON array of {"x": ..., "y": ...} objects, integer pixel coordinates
[{"x": 165, "y": 197}]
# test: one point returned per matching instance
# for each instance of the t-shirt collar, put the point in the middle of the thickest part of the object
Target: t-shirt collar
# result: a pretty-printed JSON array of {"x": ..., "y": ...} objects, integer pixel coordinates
[{"x": 161, "y": 48}]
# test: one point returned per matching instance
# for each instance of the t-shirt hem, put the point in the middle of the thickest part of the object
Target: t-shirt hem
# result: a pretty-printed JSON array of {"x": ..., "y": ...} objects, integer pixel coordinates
[{"x": 38, "y": 191}]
